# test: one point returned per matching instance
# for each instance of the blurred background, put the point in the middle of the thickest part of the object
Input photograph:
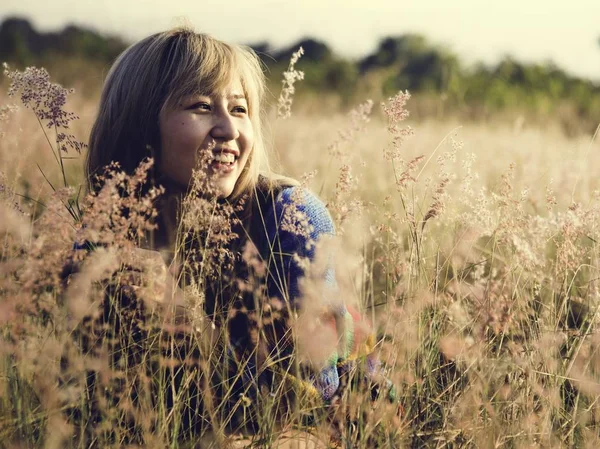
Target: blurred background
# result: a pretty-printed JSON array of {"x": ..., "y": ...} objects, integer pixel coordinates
[{"x": 530, "y": 60}]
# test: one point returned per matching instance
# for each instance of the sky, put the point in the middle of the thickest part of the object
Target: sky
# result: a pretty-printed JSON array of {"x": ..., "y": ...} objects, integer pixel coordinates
[{"x": 566, "y": 32}]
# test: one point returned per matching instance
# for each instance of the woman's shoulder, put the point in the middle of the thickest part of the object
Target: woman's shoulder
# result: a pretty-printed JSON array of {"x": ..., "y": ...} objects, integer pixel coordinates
[
  {"x": 293, "y": 206},
  {"x": 300, "y": 205}
]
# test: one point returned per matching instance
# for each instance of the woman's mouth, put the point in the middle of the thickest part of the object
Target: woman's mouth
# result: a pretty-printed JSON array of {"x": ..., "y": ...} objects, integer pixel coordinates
[{"x": 223, "y": 162}]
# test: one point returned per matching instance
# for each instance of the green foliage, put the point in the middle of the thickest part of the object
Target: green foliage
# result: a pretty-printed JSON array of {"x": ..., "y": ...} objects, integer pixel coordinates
[
  {"x": 77, "y": 55},
  {"x": 409, "y": 61},
  {"x": 394, "y": 50},
  {"x": 21, "y": 44}
]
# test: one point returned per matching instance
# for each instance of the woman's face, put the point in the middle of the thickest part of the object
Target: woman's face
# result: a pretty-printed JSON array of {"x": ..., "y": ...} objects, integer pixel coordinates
[{"x": 219, "y": 122}]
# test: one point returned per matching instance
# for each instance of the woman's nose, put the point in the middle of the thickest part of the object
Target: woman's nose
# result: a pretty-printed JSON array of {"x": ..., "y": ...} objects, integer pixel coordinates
[{"x": 224, "y": 127}]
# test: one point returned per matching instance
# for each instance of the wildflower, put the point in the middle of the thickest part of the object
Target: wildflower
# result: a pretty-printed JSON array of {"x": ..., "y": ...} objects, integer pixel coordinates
[
  {"x": 342, "y": 207},
  {"x": 46, "y": 100},
  {"x": 359, "y": 117},
  {"x": 290, "y": 76},
  {"x": 396, "y": 112},
  {"x": 406, "y": 176},
  {"x": 208, "y": 226},
  {"x": 438, "y": 205},
  {"x": 467, "y": 181},
  {"x": 294, "y": 218},
  {"x": 8, "y": 196},
  {"x": 550, "y": 196},
  {"x": 119, "y": 213}
]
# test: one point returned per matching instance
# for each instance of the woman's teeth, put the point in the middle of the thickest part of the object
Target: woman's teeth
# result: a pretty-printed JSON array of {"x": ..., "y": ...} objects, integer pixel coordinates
[{"x": 224, "y": 158}]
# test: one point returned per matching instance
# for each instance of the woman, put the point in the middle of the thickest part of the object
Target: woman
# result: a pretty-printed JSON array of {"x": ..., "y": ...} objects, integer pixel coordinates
[{"x": 188, "y": 100}]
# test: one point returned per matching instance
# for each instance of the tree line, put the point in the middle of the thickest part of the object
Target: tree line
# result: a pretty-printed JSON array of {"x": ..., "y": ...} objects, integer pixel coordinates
[{"x": 433, "y": 73}]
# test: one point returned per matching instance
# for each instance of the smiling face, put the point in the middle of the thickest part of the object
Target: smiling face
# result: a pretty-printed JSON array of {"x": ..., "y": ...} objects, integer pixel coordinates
[{"x": 218, "y": 122}]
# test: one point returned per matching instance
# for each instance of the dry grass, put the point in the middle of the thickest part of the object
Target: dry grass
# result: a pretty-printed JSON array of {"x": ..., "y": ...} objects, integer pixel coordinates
[{"x": 474, "y": 250}]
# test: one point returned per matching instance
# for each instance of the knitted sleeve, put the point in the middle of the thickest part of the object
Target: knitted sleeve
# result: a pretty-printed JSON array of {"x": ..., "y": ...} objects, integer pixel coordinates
[{"x": 302, "y": 221}]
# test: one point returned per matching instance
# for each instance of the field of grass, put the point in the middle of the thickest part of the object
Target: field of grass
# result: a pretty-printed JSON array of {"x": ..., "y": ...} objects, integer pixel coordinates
[{"x": 472, "y": 249}]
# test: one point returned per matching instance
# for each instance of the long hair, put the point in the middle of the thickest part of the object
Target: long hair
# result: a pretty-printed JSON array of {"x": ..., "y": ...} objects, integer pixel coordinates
[{"x": 157, "y": 72}]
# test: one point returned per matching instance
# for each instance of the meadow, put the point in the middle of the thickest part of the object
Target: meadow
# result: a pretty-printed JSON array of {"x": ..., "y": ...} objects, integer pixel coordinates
[{"x": 472, "y": 248}]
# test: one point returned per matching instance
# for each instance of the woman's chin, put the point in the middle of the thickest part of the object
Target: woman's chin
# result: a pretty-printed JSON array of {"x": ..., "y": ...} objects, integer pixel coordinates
[
  {"x": 224, "y": 187},
  {"x": 224, "y": 183}
]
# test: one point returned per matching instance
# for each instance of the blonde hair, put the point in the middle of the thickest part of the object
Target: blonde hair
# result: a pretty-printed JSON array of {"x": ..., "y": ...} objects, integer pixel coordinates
[{"x": 157, "y": 72}]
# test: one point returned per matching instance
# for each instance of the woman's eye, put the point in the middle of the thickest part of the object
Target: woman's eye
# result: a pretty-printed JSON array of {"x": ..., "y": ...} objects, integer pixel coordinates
[
  {"x": 200, "y": 105},
  {"x": 240, "y": 110}
]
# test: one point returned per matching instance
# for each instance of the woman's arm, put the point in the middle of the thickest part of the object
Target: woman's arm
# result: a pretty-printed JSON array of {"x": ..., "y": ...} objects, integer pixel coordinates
[
  {"x": 300, "y": 226},
  {"x": 303, "y": 223}
]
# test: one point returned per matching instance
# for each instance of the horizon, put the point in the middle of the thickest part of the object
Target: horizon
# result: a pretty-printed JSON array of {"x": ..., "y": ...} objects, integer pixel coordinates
[{"x": 534, "y": 31}]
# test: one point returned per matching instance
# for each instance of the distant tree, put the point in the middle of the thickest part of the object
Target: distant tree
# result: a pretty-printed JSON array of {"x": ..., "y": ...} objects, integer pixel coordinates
[
  {"x": 432, "y": 70},
  {"x": 323, "y": 70},
  {"x": 86, "y": 43},
  {"x": 394, "y": 50},
  {"x": 340, "y": 75},
  {"x": 19, "y": 42},
  {"x": 314, "y": 51},
  {"x": 510, "y": 71}
]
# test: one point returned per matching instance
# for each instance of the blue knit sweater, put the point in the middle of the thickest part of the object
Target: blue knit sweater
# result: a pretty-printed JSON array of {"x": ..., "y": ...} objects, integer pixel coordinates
[
  {"x": 312, "y": 216},
  {"x": 302, "y": 209}
]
